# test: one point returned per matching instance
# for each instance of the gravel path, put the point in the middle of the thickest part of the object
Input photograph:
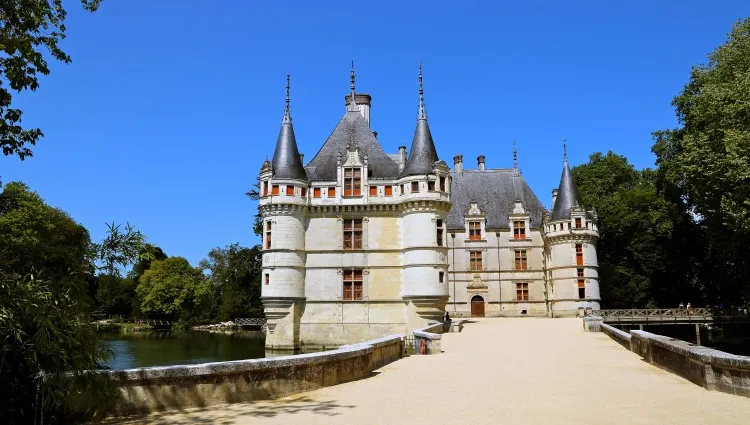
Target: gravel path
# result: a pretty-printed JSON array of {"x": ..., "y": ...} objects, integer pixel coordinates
[{"x": 498, "y": 371}]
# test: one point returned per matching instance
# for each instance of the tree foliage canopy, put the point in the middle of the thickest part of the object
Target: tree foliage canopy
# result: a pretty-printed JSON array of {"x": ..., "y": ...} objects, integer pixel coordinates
[
  {"x": 30, "y": 34},
  {"x": 235, "y": 276},
  {"x": 173, "y": 289}
]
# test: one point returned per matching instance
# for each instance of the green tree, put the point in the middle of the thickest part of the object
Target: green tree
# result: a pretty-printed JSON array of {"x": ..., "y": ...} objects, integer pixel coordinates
[
  {"x": 173, "y": 289},
  {"x": 706, "y": 162},
  {"x": 254, "y": 194},
  {"x": 31, "y": 31},
  {"x": 643, "y": 250},
  {"x": 45, "y": 328},
  {"x": 235, "y": 275}
]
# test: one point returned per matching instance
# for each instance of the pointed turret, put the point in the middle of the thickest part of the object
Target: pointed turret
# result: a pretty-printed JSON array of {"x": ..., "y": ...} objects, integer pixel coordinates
[
  {"x": 286, "y": 160},
  {"x": 422, "y": 155},
  {"x": 567, "y": 196}
]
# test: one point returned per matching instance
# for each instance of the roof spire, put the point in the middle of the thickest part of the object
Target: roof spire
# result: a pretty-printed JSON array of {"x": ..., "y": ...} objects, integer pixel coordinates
[
  {"x": 565, "y": 152},
  {"x": 422, "y": 113},
  {"x": 287, "y": 114},
  {"x": 352, "y": 104},
  {"x": 422, "y": 155},
  {"x": 286, "y": 161},
  {"x": 515, "y": 156}
]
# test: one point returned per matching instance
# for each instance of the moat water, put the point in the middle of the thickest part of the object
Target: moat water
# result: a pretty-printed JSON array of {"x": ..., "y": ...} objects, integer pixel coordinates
[
  {"x": 163, "y": 348},
  {"x": 730, "y": 338}
]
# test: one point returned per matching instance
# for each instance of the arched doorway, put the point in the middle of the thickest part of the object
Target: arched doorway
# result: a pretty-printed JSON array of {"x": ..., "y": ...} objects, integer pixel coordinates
[{"x": 477, "y": 306}]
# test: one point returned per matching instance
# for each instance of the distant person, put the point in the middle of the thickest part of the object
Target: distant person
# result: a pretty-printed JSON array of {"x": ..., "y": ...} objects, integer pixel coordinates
[
  {"x": 447, "y": 317},
  {"x": 689, "y": 309},
  {"x": 680, "y": 306}
]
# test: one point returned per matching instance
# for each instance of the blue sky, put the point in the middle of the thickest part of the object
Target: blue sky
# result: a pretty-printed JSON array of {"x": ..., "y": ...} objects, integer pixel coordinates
[{"x": 170, "y": 106}]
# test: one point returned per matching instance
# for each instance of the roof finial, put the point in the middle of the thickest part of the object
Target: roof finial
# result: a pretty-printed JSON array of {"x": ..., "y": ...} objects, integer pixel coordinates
[
  {"x": 422, "y": 111},
  {"x": 515, "y": 156},
  {"x": 565, "y": 152},
  {"x": 287, "y": 114},
  {"x": 352, "y": 104}
]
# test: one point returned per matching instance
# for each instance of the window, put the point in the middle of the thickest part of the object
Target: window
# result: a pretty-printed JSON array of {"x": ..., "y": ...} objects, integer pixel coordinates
[
  {"x": 579, "y": 254},
  {"x": 521, "y": 263},
  {"x": 265, "y": 188},
  {"x": 268, "y": 235},
  {"x": 268, "y": 278},
  {"x": 331, "y": 192},
  {"x": 581, "y": 289},
  {"x": 580, "y": 272},
  {"x": 303, "y": 191},
  {"x": 290, "y": 191},
  {"x": 414, "y": 187},
  {"x": 430, "y": 186},
  {"x": 275, "y": 189},
  {"x": 439, "y": 235},
  {"x": 475, "y": 260},
  {"x": 403, "y": 189},
  {"x": 353, "y": 233},
  {"x": 522, "y": 291},
  {"x": 389, "y": 191},
  {"x": 475, "y": 230},
  {"x": 442, "y": 184},
  {"x": 441, "y": 277},
  {"x": 352, "y": 285},
  {"x": 519, "y": 229},
  {"x": 373, "y": 191},
  {"x": 352, "y": 181},
  {"x": 316, "y": 192},
  {"x": 578, "y": 223}
]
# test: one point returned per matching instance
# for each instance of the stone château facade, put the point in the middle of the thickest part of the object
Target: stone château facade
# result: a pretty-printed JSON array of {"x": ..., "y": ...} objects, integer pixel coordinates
[{"x": 360, "y": 244}]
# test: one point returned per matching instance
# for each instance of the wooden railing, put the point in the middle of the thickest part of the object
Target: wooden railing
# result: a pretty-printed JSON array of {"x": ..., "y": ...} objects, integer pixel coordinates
[
  {"x": 666, "y": 315},
  {"x": 250, "y": 321}
]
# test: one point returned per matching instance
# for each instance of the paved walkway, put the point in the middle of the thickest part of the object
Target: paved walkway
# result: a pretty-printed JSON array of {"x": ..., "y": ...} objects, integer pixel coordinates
[{"x": 499, "y": 371}]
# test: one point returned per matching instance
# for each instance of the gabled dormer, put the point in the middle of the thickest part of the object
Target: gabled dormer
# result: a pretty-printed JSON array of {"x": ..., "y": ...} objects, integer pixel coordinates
[
  {"x": 519, "y": 223},
  {"x": 352, "y": 170},
  {"x": 475, "y": 221}
]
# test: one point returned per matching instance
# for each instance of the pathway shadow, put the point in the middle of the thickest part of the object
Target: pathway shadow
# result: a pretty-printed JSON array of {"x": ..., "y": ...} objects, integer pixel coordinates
[{"x": 230, "y": 414}]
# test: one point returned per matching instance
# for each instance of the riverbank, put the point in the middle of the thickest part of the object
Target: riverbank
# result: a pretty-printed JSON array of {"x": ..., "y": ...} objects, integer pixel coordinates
[{"x": 113, "y": 327}]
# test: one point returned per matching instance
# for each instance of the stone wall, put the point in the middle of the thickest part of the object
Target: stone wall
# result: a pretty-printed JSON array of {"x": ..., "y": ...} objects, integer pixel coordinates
[
  {"x": 622, "y": 338},
  {"x": 428, "y": 339},
  {"x": 712, "y": 369},
  {"x": 179, "y": 387}
]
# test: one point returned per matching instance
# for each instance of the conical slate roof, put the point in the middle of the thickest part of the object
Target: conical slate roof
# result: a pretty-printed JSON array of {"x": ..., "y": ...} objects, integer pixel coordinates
[
  {"x": 423, "y": 154},
  {"x": 567, "y": 195},
  {"x": 286, "y": 161}
]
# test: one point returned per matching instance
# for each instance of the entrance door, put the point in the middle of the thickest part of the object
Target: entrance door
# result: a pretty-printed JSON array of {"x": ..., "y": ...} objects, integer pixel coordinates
[{"x": 477, "y": 306}]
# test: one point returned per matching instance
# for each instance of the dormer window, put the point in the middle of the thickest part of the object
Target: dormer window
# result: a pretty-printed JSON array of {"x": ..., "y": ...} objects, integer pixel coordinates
[
  {"x": 414, "y": 187},
  {"x": 442, "y": 184},
  {"x": 519, "y": 229},
  {"x": 430, "y": 186},
  {"x": 578, "y": 223},
  {"x": 475, "y": 230},
  {"x": 352, "y": 181}
]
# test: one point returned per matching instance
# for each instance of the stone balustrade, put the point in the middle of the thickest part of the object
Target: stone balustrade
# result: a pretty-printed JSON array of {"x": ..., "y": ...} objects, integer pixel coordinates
[
  {"x": 178, "y": 387},
  {"x": 427, "y": 340},
  {"x": 712, "y": 369}
]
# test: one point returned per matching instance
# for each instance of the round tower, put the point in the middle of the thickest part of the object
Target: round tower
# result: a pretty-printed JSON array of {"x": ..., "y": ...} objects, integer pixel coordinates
[
  {"x": 425, "y": 207},
  {"x": 282, "y": 206},
  {"x": 571, "y": 234}
]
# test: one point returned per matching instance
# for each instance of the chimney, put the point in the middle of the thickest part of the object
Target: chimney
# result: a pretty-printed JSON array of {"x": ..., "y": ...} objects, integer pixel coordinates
[
  {"x": 554, "y": 197},
  {"x": 363, "y": 104},
  {"x": 480, "y": 162},
  {"x": 458, "y": 163},
  {"x": 302, "y": 158},
  {"x": 401, "y": 157}
]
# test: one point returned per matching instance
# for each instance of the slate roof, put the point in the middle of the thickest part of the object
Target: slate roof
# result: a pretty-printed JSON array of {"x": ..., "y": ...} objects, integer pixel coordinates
[
  {"x": 323, "y": 166},
  {"x": 286, "y": 161},
  {"x": 495, "y": 191},
  {"x": 422, "y": 155},
  {"x": 567, "y": 196}
]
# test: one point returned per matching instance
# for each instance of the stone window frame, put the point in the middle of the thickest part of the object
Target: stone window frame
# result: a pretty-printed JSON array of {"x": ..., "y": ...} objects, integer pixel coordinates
[
  {"x": 353, "y": 231},
  {"x": 472, "y": 262},
  {"x": 522, "y": 291},
  {"x": 521, "y": 255}
]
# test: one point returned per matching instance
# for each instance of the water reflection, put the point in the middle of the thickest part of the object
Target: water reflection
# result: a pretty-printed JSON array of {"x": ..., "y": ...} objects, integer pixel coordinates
[{"x": 162, "y": 348}]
